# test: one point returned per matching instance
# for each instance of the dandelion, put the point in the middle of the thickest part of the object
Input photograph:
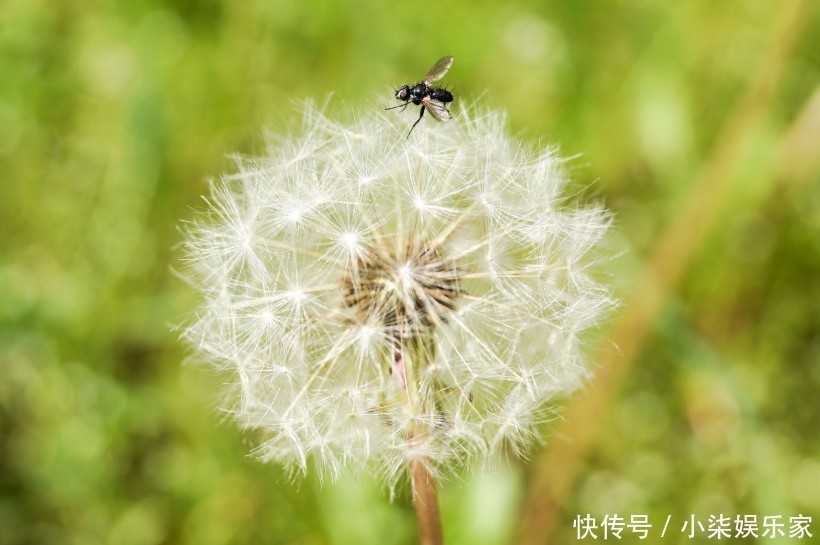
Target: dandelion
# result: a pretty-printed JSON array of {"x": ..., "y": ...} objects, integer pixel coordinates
[{"x": 408, "y": 307}]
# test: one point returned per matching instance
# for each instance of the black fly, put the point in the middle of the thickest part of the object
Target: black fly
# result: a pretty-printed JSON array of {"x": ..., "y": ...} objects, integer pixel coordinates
[{"x": 434, "y": 99}]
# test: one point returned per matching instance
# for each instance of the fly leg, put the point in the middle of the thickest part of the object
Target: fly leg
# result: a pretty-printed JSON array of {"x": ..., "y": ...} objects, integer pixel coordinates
[
  {"x": 417, "y": 121},
  {"x": 402, "y": 106}
]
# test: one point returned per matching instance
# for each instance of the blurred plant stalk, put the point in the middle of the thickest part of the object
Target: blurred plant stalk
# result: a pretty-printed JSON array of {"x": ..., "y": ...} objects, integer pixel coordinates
[
  {"x": 425, "y": 501},
  {"x": 557, "y": 468}
]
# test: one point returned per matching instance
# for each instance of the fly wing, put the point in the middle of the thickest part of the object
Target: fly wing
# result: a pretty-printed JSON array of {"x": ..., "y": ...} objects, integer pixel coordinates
[
  {"x": 439, "y": 69},
  {"x": 436, "y": 108}
]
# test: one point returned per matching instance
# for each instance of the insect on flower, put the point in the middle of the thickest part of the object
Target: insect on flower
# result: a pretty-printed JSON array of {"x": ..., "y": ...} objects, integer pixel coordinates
[
  {"x": 390, "y": 307},
  {"x": 433, "y": 99}
]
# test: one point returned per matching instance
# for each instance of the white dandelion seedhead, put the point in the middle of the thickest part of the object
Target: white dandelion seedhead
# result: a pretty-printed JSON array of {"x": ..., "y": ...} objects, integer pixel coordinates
[{"x": 382, "y": 300}]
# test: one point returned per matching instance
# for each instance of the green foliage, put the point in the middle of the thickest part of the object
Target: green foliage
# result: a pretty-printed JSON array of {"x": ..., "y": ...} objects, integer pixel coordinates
[{"x": 113, "y": 115}]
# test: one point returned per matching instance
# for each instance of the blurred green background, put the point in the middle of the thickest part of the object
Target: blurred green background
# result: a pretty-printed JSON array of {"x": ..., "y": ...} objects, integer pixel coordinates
[{"x": 697, "y": 122}]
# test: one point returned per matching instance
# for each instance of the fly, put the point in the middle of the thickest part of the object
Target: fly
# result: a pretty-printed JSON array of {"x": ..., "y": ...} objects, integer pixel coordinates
[{"x": 432, "y": 99}]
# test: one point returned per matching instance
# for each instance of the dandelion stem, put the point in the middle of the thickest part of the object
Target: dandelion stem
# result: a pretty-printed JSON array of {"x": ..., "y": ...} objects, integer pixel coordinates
[{"x": 425, "y": 500}]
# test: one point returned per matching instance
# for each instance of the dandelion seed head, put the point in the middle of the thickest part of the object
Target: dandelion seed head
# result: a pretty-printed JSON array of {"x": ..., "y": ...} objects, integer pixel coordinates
[{"x": 381, "y": 300}]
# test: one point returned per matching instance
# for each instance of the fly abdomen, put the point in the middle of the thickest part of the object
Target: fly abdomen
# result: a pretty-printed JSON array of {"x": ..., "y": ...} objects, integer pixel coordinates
[{"x": 442, "y": 95}]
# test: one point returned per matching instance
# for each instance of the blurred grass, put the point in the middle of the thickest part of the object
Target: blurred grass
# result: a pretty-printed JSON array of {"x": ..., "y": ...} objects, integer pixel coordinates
[
  {"x": 711, "y": 189},
  {"x": 112, "y": 117}
]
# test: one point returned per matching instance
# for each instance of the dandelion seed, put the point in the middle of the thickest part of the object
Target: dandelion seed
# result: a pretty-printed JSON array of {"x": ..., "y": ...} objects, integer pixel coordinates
[{"x": 386, "y": 303}]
